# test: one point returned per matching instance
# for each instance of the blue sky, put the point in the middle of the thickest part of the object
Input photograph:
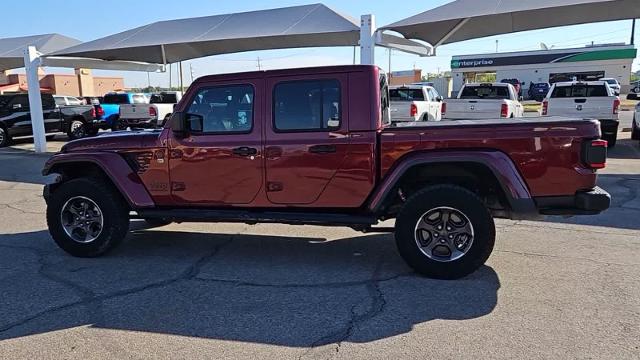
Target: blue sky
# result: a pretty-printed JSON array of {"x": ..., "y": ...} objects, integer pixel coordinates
[{"x": 88, "y": 20}]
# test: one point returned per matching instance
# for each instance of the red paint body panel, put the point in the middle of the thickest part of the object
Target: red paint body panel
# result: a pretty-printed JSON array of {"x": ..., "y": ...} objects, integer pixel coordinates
[
  {"x": 530, "y": 158},
  {"x": 115, "y": 167}
]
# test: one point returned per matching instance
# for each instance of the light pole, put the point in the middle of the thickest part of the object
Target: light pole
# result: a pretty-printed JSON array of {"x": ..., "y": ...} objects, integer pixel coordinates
[{"x": 633, "y": 32}]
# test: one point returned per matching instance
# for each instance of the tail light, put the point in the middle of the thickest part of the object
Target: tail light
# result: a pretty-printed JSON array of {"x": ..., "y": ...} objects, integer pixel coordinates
[
  {"x": 99, "y": 111},
  {"x": 94, "y": 114},
  {"x": 504, "y": 111},
  {"x": 616, "y": 106},
  {"x": 594, "y": 154},
  {"x": 444, "y": 108},
  {"x": 414, "y": 110},
  {"x": 153, "y": 111},
  {"x": 545, "y": 108}
]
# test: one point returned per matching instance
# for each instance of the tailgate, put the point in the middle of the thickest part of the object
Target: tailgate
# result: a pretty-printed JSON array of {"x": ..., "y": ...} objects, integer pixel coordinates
[
  {"x": 134, "y": 111},
  {"x": 586, "y": 108},
  {"x": 401, "y": 110},
  {"x": 473, "y": 109}
]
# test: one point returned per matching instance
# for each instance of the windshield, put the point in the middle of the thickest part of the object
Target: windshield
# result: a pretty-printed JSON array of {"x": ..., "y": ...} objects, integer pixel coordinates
[
  {"x": 164, "y": 99},
  {"x": 611, "y": 81},
  {"x": 406, "y": 94},
  {"x": 485, "y": 92},
  {"x": 579, "y": 90},
  {"x": 116, "y": 99}
]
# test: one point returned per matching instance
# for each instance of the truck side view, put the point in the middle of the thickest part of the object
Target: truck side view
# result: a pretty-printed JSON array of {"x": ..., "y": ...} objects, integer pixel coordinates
[{"x": 314, "y": 146}]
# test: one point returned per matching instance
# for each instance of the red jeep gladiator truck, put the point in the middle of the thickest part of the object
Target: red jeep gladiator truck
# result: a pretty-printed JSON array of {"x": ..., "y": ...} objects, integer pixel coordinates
[{"x": 315, "y": 146}]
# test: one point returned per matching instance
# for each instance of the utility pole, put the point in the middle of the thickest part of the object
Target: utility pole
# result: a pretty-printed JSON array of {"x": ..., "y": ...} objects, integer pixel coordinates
[
  {"x": 633, "y": 32},
  {"x": 497, "y": 44},
  {"x": 191, "y": 68},
  {"x": 259, "y": 65}
]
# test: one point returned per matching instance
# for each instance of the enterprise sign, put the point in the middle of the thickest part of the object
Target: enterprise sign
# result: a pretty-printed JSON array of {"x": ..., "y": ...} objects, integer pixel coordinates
[{"x": 573, "y": 56}]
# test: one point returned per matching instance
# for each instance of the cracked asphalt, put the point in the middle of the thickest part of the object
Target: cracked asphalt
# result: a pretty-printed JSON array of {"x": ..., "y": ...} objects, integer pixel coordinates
[{"x": 563, "y": 288}]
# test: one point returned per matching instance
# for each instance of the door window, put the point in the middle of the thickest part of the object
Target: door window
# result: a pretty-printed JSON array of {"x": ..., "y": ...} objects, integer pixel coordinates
[
  {"x": 20, "y": 103},
  {"x": 224, "y": 109},
  {"x": 307, "y": 106}
]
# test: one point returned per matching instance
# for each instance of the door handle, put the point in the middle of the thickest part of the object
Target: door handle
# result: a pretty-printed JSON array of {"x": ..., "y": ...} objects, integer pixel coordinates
[
  {"x": 245, "y": 151},
  {"x": 323, "y": 149}
]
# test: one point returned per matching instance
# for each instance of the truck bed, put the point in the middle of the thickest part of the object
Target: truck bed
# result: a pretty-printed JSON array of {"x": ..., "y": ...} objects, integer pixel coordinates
[{"x": 546, "y": 151}]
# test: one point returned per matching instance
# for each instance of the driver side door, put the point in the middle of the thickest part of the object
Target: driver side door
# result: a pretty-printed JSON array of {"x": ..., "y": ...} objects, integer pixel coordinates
[{"x": 222, "y": 163}]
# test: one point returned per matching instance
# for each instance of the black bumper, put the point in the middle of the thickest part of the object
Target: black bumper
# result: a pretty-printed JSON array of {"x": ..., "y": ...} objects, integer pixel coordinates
[{"x": 589, "y": 202}]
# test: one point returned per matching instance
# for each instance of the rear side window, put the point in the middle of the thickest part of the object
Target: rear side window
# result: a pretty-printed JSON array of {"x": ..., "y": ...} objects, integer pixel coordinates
[
  {"x": 116, "y": 99},
  {"x": 224, "y": 109},
  {"x": 307, "y": 105},
  {"x": 164, "y": 99},
  {"x": 60, "y": 101},
  {"x": 406, "y": 95},
  {"x": 485, "y": 92},
  {"x": 579, "y": 91},
  {"x": 139, "y": 99}
]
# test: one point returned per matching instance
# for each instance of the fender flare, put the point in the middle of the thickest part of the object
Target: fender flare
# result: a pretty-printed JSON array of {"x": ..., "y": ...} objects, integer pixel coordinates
[
  {"x": 514, "y": 187},
  {"x": 115, "y": 167}
]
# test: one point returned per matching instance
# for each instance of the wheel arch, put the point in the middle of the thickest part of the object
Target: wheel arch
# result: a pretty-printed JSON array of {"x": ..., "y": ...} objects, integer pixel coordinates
[
  {"x": 488, "y": 172},
  {"x": 110, "y": 167}
]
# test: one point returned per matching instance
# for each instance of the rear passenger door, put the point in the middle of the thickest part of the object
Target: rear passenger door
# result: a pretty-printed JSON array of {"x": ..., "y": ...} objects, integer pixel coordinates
[{"x": 306, "y": 136}]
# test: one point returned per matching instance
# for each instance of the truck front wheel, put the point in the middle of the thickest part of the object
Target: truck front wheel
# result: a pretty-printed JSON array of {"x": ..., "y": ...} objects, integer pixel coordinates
[
  {"x": 445, "y": 232},
  {"x": 86, "y": 218}
]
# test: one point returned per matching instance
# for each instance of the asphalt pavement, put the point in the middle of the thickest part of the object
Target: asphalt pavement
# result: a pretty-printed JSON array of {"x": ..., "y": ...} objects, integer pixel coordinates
[{"x": 562, "y": 288}]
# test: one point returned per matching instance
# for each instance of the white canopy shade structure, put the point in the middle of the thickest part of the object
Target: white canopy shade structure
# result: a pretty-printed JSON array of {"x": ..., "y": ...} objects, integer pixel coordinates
[
  {"x": 471, "y": 19},
  {"x": 172, "y": 41},
  {"x": 12, "y": 49}
]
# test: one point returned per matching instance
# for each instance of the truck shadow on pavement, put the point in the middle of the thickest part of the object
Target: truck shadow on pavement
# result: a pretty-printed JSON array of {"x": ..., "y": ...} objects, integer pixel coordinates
[
  {"x": 286, "y": 291},
  {"x": 625, "y": 204}
]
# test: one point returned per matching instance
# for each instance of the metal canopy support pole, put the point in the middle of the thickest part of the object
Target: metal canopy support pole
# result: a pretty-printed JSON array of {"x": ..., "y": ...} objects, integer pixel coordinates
[
  {"x": 181, "y": 79},
  {"x": 31, "y": 64},
  {"x": 367, "y": 40},
  {"x": 455, "y": 29}
]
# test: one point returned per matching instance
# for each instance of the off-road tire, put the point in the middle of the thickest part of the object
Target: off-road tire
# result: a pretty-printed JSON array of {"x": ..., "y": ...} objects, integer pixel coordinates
[
  {"x": 114, "y": 210},
  {"x": 450, "y": 196}
]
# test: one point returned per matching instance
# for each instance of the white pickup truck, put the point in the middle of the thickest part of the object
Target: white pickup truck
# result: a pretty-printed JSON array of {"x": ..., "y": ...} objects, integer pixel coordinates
[
  {"x": 415, "y": 103},
  {"x": 586, "y": 100},
  {"x": 152, "y": 115},
  {"x": 484, "y": 101}
]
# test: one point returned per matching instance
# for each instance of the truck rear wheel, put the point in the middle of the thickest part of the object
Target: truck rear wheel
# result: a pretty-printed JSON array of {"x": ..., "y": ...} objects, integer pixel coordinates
[
  {"x": 445, "y": 232},
  {"x": 635, "y": 132},
  {"x": 77, "y": 130},
  {"x": 5, "y": 139},
  {"x": 86, "y": 218}
]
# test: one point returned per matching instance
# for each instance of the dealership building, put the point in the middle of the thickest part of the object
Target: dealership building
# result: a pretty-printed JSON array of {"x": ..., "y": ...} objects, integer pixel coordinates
[{"x": 587, "y": 63}]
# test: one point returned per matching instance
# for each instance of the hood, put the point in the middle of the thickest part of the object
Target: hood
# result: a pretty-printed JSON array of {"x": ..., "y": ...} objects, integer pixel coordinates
[{"x": 114, "y": 141}]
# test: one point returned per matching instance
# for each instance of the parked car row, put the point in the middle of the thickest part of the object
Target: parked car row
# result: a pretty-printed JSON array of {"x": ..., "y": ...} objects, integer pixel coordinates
[
  {"x": 150, "y": 115},
  {"x": 76, "y": 121}
]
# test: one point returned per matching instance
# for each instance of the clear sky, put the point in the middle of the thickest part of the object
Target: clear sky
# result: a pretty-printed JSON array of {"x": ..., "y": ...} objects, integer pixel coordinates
[{"x": 88, "y": 20}]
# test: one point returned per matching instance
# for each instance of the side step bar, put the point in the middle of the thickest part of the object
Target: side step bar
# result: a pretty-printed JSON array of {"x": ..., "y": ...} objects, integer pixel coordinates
[{"x": 255, "y": 217}]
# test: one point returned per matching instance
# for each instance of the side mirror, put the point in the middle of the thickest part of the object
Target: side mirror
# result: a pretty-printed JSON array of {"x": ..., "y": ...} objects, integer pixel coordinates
[
  {"x": 178, "y": 124},
  {"x": 439, "y": 99},
  {"x": 520, "y": 98},
  {"x": 195, "y": 123}
]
